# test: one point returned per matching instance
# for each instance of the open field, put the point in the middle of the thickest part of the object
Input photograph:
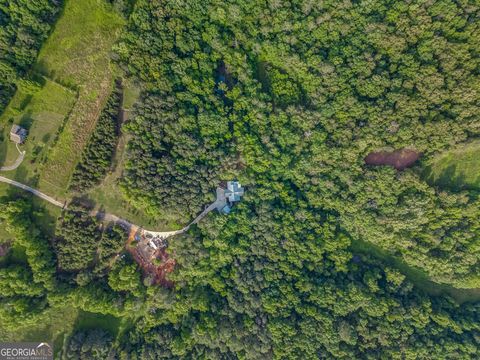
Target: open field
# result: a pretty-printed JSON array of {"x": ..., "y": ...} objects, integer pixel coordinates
[
  {"x": 457, "y": 169},
  {"x": 43, "y": 113},
  {"x": 54, "y": 324},
  {"x": 77, "y": 55}
]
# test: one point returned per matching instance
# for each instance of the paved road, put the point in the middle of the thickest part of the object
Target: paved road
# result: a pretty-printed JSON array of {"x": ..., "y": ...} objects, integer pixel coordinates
[{"x": 32, "y": 190}]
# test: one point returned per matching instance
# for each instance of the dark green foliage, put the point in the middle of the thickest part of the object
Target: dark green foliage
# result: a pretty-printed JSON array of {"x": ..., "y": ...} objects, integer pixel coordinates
[
  {"x": 90, "y": 345},
  {"x": 98, "y": 154},
  {"x": 177, "y": 154},
  {"x": 291, "y": 290},
  {"x": 24, "y": 25},
  {"x": 82, "y": 245},
  {"x": 111, "y": 243},
  {"x": 76, "y": 239},
  {"x": 312, "y": 88},
  {"x": 317, "y": 86}
]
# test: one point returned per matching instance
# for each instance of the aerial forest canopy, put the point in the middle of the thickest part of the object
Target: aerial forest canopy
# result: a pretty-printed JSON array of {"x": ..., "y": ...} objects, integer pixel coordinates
[
  {"x": 290, "y": 97},
  {"x": 328, "y": 113}
]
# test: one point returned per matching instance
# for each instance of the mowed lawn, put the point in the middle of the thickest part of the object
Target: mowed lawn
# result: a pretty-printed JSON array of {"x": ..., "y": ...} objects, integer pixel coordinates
[
  {"x": 43, "y": 112},
  {"x": 458, "y": 169},
  {"x": 77, "y": 55}
]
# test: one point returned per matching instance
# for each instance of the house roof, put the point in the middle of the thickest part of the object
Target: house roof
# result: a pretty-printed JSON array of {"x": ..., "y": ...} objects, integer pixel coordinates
[
  {"x": 234, "y": 191},
  {"x": 17, "y": 133}
]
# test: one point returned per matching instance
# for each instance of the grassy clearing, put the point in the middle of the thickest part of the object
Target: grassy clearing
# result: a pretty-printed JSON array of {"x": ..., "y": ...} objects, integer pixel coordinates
[
  {"x": 77, "y": 55},
  {"x": 43, "y": 113},
  {"x": 54, "y": 324},
  {"x": 458, "y": 169},
  {"x": 416, "y": 276},
  {"x": 131, "y": 94},
  {"x": 87, "y": 321}
]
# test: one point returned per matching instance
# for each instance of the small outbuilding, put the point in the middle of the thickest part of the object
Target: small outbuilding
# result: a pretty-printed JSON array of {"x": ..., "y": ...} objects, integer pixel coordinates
[
  {"x": 18, "y": 134},
  {"x": 226, "y": 209}
]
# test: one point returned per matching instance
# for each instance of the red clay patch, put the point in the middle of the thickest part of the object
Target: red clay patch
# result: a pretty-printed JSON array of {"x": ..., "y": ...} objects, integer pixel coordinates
[
  {"x": 399, "y": 159},
  {"x": 155, "y": 264}
]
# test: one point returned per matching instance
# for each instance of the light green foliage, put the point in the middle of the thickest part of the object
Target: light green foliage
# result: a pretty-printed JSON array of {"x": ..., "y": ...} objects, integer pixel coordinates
[
  {"x": 458, "y": 169},
  {"x": 23, "y": 295},
  {"x": 16, "y": 216},
  {"x": 126, "y": 278},
  {"x": 16, "y": 280},
  {"x": 77, "y": 54}
]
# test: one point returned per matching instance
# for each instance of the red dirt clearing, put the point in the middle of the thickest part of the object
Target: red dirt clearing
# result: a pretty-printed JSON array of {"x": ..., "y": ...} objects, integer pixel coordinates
[
  {"x": 155, "y": 264},
  {"x": 399, "y": 159}
]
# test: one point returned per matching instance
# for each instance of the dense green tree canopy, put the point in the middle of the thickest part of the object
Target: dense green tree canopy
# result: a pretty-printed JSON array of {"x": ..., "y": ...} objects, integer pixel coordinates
[
  {"x": 288, "y": 97},
  {"x": 291, "y": 96},
  {"x": 24, "y": 25}
]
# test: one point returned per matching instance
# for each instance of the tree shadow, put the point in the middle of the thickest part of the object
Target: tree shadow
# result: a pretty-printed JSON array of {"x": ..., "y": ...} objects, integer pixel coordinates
[
  {"x": 84, "y": 201},
  {"x": 3, "y": 147},
  {"x": 25, "y": 102},
  {"x": 450, "y": 178},
  {"x": 26, "y": 120}
]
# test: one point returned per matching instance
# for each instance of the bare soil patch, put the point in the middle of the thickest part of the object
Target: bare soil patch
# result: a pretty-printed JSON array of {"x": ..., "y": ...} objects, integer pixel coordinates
[
  {"x": 400, "y": 159},
  {"x": 155, "y": 264}
]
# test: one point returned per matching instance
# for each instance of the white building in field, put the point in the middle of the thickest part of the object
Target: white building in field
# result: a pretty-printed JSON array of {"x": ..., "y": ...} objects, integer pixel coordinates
[{"x": 18, "y": 134}]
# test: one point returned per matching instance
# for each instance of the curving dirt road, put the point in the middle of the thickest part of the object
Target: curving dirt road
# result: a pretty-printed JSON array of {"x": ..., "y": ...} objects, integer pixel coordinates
[
  {"x": 110, "y": 217},
  {"x": 33, "y": 191},
  {"x": 17, "y": 162}
]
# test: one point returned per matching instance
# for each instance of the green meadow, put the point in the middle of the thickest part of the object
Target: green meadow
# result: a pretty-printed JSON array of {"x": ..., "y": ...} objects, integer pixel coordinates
[
  {"x": 42, "y": 110},
  {"x": 458, "y": 169},
  {"x": 77, "y": 54}
]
